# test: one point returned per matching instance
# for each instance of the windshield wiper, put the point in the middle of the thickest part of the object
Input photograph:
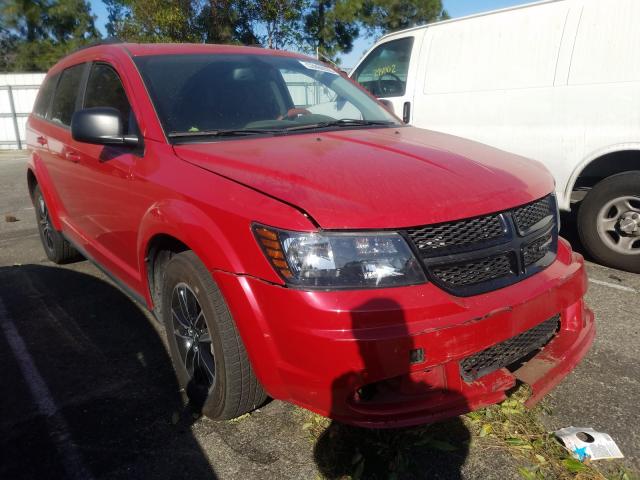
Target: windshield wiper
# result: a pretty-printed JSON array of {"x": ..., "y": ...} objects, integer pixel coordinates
[
  {"x": 345, "y": 122},
  {"x": 222, "y": 133}
]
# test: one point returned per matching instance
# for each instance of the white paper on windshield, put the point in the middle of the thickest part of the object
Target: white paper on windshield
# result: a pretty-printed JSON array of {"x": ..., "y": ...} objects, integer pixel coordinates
[{"x": 317, "y": 67}]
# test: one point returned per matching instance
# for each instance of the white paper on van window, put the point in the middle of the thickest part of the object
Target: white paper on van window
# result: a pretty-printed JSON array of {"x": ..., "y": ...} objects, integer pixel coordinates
[
  {"x": 318, "y": 67},
  {"x": 586, "y": 443}
]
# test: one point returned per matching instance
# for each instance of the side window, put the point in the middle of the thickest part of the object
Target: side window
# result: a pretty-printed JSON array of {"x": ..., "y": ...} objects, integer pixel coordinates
[
  {"x": 104, "y": 89},
  {"x": 384, "y": 71},
  {"x": 43, "y": 101},
  {"x": 64, "y": 100}
]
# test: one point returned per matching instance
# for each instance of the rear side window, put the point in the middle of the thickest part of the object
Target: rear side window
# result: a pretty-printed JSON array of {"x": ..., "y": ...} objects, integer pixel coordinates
[
  {"x": 64, "y": 101},
  {"x": 44, "y": 96},
  {"x": 384, "y": 71},
  {"x": 104, "y": 89}
]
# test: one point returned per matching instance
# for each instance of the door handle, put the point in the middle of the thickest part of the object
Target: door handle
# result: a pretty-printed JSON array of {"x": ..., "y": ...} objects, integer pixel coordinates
[
  {"x": 73, "y": 156},
  {"x": 41, "y": 140}
]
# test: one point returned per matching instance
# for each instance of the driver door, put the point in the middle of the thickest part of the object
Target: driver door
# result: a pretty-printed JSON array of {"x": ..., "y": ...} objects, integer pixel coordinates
[{"x": 388, "y": 72}]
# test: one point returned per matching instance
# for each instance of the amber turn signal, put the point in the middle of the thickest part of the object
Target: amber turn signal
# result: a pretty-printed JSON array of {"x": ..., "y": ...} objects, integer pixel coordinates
[{"x": 273, "y": 250}]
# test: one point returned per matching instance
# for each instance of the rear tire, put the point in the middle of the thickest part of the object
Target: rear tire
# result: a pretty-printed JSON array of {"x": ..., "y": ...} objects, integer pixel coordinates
[
  {"x": 209, "y": 357},
  {"x": 609, "y": 221},
  {"x": 57, "y": 248}
]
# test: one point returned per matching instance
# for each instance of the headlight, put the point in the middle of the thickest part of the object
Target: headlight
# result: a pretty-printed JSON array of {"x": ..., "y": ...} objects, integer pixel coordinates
[{"x": 340, "y": 260}]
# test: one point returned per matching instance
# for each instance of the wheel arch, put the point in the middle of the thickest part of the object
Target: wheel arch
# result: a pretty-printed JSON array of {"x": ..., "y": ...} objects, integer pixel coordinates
[
  {"x": 172, "y": 227},
  {"x": 175, "y": 226},
  {"x": 602, "y": 164},
  {"x": 37, "y": 176}
]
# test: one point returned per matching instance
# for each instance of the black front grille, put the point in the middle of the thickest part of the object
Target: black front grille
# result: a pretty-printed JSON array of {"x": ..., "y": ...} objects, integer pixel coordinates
[
  {"x": 457, "y": 234},
  {"x": 537, "y": 249},
  {"x": 477, "y": 255},
  {"x": 528, "y": 215},
  {"x": 474, "y": 272},
  {"x": 508, "y": 352}
]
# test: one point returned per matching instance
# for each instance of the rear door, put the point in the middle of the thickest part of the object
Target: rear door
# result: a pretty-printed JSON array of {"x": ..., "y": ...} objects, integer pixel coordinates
[
  {"x": 37, "y": 131},
  {"x": 388, "y": 72},
  {"x": 61, "y": 161}
]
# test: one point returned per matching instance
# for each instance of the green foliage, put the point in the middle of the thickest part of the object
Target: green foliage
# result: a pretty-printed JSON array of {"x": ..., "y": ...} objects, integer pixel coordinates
[
  {"x": 35, "y": 34},
  {"x": 281, "y": 20},
  {"x": 513, "y": 427},
  {"x": 381, "y": 16},
  {"x": 325, "y": 26},
  {"x": 331, "y": 26}
]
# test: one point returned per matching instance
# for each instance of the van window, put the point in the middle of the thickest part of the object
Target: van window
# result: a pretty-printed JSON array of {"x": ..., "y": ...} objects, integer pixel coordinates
[
  {"x": 384, "y": 71},
  {"x": 509, "y": 50},
  {"x": 608, "y": 44},
  {"x": 64, "y": 101},
  {"x": 43, "y": 101},
  {"x": 104, "y": 89}
]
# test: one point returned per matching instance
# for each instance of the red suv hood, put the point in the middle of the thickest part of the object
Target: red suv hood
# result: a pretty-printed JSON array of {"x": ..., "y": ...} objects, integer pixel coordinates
[{"x": 377, "y": 178}]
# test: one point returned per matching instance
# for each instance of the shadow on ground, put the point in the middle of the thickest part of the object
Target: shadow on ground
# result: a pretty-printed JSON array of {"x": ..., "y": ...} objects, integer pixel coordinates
[
  {"x": 435, "y": 451},
  {"x": 108, "y": 373}
]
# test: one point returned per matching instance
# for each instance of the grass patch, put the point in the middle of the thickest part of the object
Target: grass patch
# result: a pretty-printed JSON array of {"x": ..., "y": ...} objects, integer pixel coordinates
[
  {"x": 345, "y": 452},
  {"x": 510, "y": 425},
  {"x": 439, "y": 450}
]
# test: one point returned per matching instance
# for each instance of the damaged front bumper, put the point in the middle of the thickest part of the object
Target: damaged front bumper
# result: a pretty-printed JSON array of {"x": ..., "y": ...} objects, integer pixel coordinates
[{"x": 396, "y": 357}]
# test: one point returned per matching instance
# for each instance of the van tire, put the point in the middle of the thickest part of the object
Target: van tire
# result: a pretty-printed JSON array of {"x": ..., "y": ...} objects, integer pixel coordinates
[
  {"x": 56, "y": 247},
  {"x": 234, "y": 389},
  {"x": 590, "y": 215}
]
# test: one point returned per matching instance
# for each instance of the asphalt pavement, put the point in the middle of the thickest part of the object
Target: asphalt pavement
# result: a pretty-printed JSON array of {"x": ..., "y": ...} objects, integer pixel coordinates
[{"x": 88, "y": 389}]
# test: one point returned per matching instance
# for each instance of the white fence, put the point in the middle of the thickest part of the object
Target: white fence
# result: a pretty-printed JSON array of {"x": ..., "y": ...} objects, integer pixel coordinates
[{"x": 17, "y": 93}]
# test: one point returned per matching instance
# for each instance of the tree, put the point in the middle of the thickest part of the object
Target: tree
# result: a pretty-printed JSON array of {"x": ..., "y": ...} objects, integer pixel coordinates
[
  {"x": 115, "y": 16},
  {"x": 383, "y": 16},
  {"x": 331, "y": 26},
  {"x": 8, "y": 46},
  {"x": 39, "y": 32},
  {"x": 153, "y": 20},
  {"x": 281, "y": 22}
]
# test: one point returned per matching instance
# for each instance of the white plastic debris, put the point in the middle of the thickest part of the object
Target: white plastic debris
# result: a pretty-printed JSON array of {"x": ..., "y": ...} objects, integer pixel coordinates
[{"x": 586, "y": 443}]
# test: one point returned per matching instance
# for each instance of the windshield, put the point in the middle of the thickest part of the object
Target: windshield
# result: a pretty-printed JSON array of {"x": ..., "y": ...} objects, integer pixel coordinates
[{"x": 210, "y": 94}]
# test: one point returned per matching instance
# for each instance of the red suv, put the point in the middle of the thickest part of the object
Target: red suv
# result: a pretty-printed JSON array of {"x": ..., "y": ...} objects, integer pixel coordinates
[{"x": 297, "y": 240}]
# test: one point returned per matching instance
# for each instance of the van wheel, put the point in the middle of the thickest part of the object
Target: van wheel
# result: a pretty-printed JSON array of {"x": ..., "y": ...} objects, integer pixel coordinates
[
  {"x": 609, "y": 221},
  {"x": 58, "y": 250},
  {"x": 209, "y": 357}
]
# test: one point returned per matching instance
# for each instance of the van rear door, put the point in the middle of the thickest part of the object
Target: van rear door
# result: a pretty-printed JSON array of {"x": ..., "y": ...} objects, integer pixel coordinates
[{"x": 388, "y": 71}]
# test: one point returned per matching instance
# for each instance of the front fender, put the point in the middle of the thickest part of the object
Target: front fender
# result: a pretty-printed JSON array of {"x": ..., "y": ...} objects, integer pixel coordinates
[
  {"x": 193, "y": 227},
  {"x": 186, "y": 223}
]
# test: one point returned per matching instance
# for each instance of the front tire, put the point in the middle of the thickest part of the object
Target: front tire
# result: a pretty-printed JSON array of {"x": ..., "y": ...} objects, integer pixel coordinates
[
  {"x": 57, "y": 248},
  {"x": 609, "y": 221},
  {"x": 209, "y": 357}
]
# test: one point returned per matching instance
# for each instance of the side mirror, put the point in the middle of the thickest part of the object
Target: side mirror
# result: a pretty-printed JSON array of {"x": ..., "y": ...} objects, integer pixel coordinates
[
  {"x": 387, "y": 105},
  {"x": 101, "y": 126}
]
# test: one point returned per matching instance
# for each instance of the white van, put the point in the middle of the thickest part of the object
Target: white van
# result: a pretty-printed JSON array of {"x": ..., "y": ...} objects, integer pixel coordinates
[{"x": 557, "y": 81}]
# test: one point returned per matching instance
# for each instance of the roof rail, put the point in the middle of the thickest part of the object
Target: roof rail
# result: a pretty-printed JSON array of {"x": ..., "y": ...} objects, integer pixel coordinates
[{"x": 104, "y": 41}]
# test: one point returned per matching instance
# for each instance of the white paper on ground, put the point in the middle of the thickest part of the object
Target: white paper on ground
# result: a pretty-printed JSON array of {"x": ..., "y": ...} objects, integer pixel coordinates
[{"x": 586, "y": 443}]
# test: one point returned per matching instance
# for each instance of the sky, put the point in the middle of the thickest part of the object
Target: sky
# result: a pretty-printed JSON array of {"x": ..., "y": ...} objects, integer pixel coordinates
[{"x": 456, "y": 8}]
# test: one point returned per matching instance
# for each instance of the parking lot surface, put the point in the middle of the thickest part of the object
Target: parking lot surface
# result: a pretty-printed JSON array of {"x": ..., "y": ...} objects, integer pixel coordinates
[{"x": 89, "y": 390}]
